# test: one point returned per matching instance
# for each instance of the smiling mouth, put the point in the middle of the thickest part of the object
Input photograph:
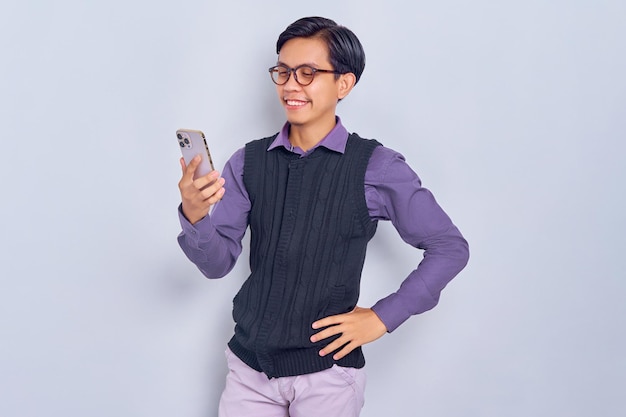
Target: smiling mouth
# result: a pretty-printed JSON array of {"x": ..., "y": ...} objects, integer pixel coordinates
[{"x": 296, "y": 103}]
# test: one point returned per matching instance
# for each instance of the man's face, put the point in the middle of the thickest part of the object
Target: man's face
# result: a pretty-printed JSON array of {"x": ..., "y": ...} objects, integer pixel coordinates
[{"x": 315, "y": 103}]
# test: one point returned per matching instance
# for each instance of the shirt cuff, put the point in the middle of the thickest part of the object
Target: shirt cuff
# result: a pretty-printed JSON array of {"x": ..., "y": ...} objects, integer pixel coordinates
[
  {"x": 391, "y": 316},
  {"x": 202, "y": 230}
]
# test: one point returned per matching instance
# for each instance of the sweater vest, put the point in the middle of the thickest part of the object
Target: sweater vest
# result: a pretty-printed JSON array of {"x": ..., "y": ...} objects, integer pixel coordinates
[{"x": 309, "y": 230}]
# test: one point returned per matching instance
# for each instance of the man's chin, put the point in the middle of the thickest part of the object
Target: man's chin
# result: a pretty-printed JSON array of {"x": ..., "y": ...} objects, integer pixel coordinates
[{"x": 295, "y": 121}]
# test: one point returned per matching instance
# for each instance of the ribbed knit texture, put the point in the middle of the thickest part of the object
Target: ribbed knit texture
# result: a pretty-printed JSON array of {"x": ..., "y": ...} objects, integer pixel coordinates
[{"x": 309, "y": 227}]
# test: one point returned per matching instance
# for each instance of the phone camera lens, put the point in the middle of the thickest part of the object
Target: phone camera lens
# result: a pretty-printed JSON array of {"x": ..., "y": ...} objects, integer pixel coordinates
[
  {"x": 179, "y": 136},
  {"x": 186, "y": 141},
  {"x": 182, "y": 145}
]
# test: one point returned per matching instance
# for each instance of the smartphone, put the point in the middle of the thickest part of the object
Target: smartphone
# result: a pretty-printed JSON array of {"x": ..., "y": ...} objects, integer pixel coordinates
[{"x": 192, "y": 143}]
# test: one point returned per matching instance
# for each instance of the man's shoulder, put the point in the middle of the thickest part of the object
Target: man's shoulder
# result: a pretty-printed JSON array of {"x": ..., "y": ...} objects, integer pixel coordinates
[
  {"x": 261, "y": 141},
  {"x": 380, "y": 149},
  {"x": 381, "y": 157},
  {"x": 356, "y": 139}
]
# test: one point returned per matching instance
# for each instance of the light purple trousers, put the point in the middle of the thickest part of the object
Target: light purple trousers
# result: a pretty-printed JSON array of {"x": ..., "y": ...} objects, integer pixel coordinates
[{"x": 335, "y": 392}]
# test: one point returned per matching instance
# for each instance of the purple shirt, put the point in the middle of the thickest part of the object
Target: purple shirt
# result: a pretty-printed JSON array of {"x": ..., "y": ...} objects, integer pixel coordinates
[{"x": 393, "y": 192}]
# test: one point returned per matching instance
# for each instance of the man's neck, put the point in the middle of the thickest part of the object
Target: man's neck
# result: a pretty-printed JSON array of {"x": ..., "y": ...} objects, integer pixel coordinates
[{"x": 306, "y": 137}]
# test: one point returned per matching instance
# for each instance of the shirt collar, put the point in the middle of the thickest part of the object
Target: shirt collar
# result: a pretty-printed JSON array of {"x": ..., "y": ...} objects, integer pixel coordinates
[{"x": 335, "y": 140}]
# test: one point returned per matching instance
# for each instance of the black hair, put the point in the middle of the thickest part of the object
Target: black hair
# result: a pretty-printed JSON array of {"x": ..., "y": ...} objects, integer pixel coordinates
[{"x": 345, "y": 51}]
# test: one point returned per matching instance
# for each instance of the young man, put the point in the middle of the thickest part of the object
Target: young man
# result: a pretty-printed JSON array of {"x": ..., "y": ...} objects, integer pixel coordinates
[{"x": 312, "y": 195}]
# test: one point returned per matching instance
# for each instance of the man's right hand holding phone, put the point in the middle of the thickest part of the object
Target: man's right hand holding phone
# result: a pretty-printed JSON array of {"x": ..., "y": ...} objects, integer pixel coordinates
[{"x": 200, "y": 194}]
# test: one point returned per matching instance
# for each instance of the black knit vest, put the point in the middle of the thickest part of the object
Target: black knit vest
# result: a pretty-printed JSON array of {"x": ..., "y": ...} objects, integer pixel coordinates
[{"x": 309, "y": 229}]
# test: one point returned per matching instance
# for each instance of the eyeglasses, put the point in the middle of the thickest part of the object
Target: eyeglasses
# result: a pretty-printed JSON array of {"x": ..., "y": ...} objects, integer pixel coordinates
[{"x": 304, "y": 74}]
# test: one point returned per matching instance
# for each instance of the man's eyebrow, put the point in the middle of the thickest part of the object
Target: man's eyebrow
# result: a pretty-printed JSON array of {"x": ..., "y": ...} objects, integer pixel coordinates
[{"x": 311, "y": 64}]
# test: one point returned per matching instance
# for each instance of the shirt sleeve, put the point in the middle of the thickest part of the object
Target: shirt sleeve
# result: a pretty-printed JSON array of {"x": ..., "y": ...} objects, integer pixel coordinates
[
  {"x": 213, "y": 244},
  {"x": 394, "y": 192}
]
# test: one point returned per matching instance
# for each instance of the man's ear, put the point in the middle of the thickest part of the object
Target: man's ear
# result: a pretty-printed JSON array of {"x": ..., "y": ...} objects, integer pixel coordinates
[{"x": 345, "y": 84}]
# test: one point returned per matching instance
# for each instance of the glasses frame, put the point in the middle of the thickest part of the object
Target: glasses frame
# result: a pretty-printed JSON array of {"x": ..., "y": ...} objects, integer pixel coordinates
[{"x": 294, "y": 71}]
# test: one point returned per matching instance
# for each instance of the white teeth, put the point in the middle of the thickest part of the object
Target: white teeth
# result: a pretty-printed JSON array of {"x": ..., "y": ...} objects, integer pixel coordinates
[{"x": 295, "y": 103}]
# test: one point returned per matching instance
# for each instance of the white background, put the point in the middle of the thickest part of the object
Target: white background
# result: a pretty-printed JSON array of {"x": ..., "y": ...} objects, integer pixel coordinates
[{"x": 512, "y": 112}]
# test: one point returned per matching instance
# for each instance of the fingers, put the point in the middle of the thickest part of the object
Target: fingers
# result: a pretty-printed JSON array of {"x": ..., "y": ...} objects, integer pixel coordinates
[
  {"x": 211, "y": 190},
  {"x": 208, "y": 189},
  {"x": 343, "y": 352},
  {"x": 344, "y": 339},
  {"x": 348, "y": 346},
  {"x": 188, "y": 175},
  {"x": 326, "y": 333},
  {"x": 202, "y": 183},
  {"x": 189, "y": 170},
  {"x": 335, "y": 328},
  {"x": 328, "y": 321},
  {"x": 355, "y": 329},
  {"x": 198, "y": 195}
]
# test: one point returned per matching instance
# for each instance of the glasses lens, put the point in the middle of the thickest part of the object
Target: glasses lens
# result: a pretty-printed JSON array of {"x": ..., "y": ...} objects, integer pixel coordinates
[
  {"x": 280, "y": 75},
  {"x": 305, "y": 75}
]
